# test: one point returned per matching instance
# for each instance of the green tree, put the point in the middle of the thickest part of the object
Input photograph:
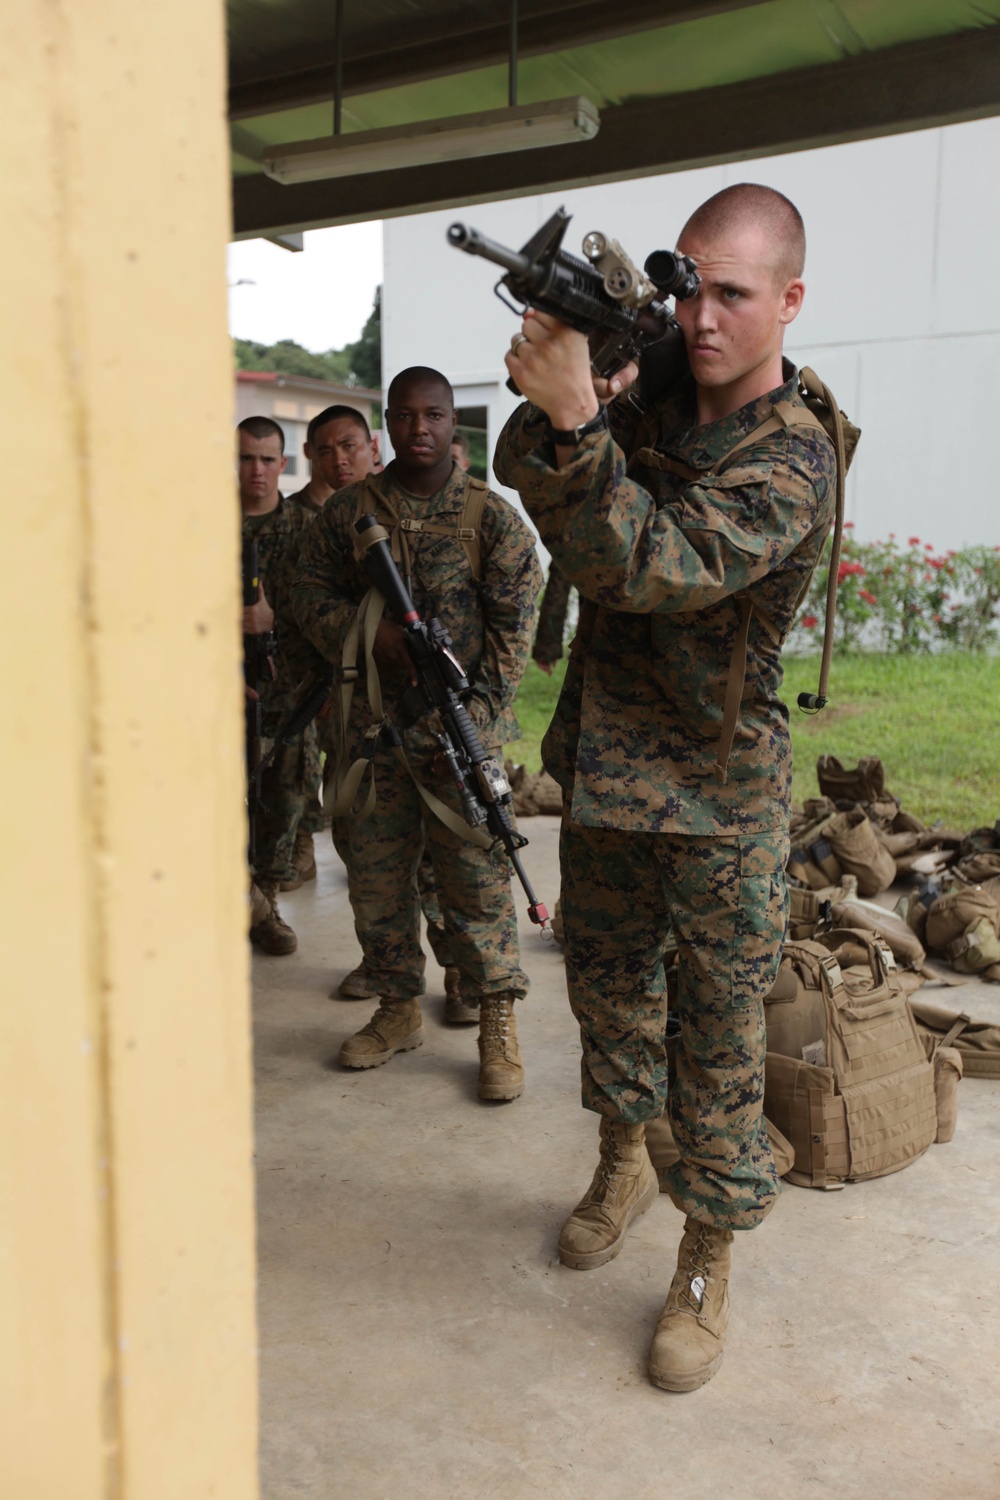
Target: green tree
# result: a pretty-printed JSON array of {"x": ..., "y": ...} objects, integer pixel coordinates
[
  {"x": 289, "y": 358},
  {"x": 365, "y": 355}
]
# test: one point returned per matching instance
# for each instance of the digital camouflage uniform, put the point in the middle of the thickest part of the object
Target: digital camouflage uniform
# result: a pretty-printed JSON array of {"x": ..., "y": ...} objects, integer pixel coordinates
[
  {"x": 656, "y": 834},
  {"x": 313, "y": 818},
  {"x": 552, "y": 611},
  {"x": 296, "y": 766},
  {"x": 490, "y": 623}
]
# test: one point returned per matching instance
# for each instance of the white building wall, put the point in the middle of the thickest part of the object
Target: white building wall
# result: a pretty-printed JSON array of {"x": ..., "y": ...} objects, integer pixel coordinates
[{"x": 901, "y": 318}]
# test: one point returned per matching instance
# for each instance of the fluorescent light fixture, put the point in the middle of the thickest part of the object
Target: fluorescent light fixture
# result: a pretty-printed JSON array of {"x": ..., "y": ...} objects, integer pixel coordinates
[{"x": 554, "y": 122}]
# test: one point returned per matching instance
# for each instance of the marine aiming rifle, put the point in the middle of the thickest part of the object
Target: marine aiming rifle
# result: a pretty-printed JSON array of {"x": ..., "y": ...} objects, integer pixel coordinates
[
  {"x": 621, "y": 309},
  {"x": 482, "y": 784}
]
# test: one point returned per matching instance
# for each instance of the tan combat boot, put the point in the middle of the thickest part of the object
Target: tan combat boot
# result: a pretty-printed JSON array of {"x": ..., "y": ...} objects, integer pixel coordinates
[
  {"x": 624, "y": 1186},
  {"x": 268, "y": 930},
  {"x": 395, "y": 1027},
  {"x": 355, "y": 986},
  {"x": 304, "y": 855},
  {"x": 690, "y": 1336},
  {"x": 456, "y": 1012},
  {"x": 501, "y": 1070}
]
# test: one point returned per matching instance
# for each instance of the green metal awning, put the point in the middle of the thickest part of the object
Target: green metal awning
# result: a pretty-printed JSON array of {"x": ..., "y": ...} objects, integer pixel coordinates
[{"x": 678, "y": 84}]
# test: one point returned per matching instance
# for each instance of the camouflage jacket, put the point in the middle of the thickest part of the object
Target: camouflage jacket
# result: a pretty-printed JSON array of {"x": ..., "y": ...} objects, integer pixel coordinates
[
  {"x": 666, "y": 562},
  {"x": 278, "y": 535},
  {"x": 303, "y": 498},
  {"x": 489, "y": 619},
  {"x": 552, "y": 612}
]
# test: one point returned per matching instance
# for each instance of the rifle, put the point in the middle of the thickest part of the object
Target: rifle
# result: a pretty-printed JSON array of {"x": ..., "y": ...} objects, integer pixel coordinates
[
  {"x": 301, "y": 716},
  {"x": 482, "y": 784},
  {"x": 255, "y": 648},
  {"x": 621, "y": 310}
]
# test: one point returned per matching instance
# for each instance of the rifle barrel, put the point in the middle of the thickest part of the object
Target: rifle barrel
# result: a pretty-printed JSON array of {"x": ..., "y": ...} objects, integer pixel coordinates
[{"x": 474, "y": 243}]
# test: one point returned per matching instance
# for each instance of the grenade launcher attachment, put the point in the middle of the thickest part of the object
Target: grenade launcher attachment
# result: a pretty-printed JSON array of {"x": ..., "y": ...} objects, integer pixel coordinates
[
  {"x": 621, "y": 309},
  {"x": 480, "y": 778}
]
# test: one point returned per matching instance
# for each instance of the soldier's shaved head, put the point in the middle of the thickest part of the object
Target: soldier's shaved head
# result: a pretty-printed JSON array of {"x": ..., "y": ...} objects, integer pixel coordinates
[
  {"x": 419, "y": 377},
  {"x": 748, "y": 205}
]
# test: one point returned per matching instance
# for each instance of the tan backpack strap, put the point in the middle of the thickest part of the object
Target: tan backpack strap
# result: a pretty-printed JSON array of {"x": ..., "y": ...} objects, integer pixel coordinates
[
  {"x": 653, "y": 459},
  {"x": 372, "y": 501},
  {"x": 442, "y": 812},
  {"x": 347, "y": 781},
  {"x": 468, "y": 531},
  {"x": 736, "y": 681},
  {"x": 784, "y": 415},
  {"x": 813, "y": 386},
  {"x": 735, "y": 684},
  {"x": 476, "y": 491}
]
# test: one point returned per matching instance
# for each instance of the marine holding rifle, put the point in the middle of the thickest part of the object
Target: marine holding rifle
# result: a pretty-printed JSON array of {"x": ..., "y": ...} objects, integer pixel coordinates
[
  {"x": 276, "y": 805},
  {"x": 468, "y": 559},
  {"x": 691, "y": 529}
]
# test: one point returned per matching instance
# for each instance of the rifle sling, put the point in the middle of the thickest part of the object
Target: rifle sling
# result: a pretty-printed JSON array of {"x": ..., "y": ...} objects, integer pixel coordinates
[{"x": 348, "y": 782}]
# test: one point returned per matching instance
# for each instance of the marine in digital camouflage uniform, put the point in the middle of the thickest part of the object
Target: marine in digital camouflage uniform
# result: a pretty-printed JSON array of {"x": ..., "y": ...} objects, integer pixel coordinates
[
  {"x": 296, "y": 767},
  {"x": 276, "y": 527},
  {"x": 680, "y": 547},
  {"x": 489, "y": 620}
]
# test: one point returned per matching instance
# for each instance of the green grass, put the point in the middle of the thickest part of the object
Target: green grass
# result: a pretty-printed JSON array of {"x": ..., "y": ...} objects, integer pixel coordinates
[
  {"x": 934, "y": 720},
  {"x": 534, "y": 706}
]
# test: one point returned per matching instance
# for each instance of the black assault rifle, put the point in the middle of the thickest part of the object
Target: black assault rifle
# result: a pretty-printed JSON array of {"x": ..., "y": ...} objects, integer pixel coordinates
[
  {"x": 482, "y": 784},
  {"x": 621, "y": 310},
  {"x": 297, "y": 722},
  {"x": 257, "y": 650}
]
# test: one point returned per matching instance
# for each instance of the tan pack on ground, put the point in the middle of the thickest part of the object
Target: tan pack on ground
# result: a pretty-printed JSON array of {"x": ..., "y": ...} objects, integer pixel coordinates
[
  {"x": 978, "y": 868},
  {"x": 857, "y": 1098},
  {"x": 809, "y": 910},
  {"x": 865, "y": 783},
  {"x": 534, "y": 794},
  {"x": 964, "y": 927},
  {"x": 977, "y": 1042},
  {"x": 865, "y": 916},
  {"x": 858, "y": 851}
]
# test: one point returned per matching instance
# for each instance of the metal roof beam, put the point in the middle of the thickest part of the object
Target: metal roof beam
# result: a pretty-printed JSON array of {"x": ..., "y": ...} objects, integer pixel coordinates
[
  {"x": 370, "y": 64},
  {"x": 902, "y": 88}
]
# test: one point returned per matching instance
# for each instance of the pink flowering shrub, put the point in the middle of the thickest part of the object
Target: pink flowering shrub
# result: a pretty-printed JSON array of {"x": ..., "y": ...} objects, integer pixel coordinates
[{"x": 905, "y": 599}]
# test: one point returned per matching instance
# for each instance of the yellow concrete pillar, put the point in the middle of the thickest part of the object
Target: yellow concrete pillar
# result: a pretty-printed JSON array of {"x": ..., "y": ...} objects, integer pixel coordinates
[{"x": 127, "y": 1361}]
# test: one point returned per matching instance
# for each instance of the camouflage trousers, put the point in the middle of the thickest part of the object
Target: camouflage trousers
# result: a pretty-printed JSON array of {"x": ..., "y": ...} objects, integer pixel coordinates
[
  {"x": 283, "y": 792},
  {"x": 426, "y": 890},
  {"x": 383, "y": 855},
  {"x": 724, "y": 903}
]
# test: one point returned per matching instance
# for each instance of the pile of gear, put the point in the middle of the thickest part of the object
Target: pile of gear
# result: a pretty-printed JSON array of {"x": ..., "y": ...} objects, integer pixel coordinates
[
  {"x": 854, "y": 841},
  {"x": 535, "y": 793},
  {"x": 861, "y": 1077}
]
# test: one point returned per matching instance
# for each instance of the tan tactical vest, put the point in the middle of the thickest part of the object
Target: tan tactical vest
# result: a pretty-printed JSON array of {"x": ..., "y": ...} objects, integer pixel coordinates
[{"x": 847, "y": 1076}]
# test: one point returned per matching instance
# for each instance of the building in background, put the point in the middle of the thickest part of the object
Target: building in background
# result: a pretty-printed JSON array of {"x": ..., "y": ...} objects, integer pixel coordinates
[
  {"x": 292, "y": 401},
  {"x": 901, "y": 319}
]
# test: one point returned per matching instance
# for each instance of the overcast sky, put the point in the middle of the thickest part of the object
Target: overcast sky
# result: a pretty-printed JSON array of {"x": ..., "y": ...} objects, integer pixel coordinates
[{"x": 319, "y": 297}]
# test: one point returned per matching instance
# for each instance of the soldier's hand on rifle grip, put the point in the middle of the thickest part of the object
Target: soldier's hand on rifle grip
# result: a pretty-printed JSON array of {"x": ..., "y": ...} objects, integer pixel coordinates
[
  {"x": 550, "y": 364},
  {"x": 607, "y": 390},
  {"x": 258, "y": 618},
  {"x": 389, "y": 650}
]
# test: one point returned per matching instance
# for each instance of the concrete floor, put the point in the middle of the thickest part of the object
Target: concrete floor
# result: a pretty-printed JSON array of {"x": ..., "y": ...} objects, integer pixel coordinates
[{"x": 420, "y": 1339}]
